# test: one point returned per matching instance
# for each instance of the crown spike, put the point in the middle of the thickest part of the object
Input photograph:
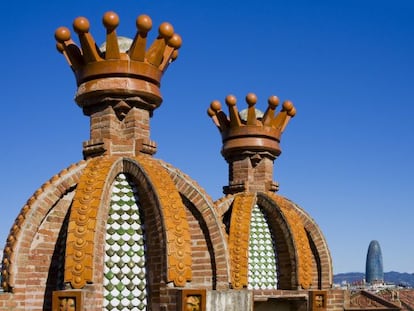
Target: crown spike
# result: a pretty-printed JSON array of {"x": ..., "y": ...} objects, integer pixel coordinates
[
  {"x": 283, "y": 117},
  {"x": 111, "y": 22},
  {"x": 231, "y": 102},
  {"x": 213, "y": 116},
  {"x": 222, "y": 120},
  {"x": 251, "y": 101},
  {"x": 290, "y": 111},
  {"x": 68, "y": 48},
  {"x": 137, "y": 50},
  {"x": 269, "y": 114},
  {"x": 172, "y": 45},
  {"x": 89, "y": 47},
  {"x": 155, "y": 53}
]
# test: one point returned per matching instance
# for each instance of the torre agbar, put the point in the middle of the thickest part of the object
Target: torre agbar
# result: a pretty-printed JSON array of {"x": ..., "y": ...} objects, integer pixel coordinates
[{"x": 124, "y": 230}]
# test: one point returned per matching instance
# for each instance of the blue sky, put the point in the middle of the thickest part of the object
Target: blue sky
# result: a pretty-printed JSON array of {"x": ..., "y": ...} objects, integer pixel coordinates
[{"x": 348, "y": 66}]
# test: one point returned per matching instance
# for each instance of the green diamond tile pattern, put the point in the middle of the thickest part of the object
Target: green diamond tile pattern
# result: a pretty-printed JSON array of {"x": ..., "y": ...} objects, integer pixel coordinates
[
  {"x": 262, "y": 256},
  {"x": 125, "y": 285}
]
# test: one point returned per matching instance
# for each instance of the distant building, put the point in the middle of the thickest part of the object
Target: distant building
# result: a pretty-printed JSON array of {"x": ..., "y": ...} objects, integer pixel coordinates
[{"x": 374, "y": 272}]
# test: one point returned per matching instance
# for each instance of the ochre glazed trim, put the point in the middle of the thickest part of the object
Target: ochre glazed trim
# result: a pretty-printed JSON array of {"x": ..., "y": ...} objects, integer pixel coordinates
[
  {"x": 239, "y": 238},
  {"x": 175, "y": 221},
  {"x": 301, "y": 242},
  {"x": 82, "y": 222}
]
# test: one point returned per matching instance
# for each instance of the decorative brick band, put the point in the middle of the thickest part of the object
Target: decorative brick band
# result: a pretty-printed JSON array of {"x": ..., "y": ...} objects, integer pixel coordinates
[
  {"x": 58, "y": 184},
  {"x": 300, "y": 239},
  {"x": 239, "y": 238},
  {"x": 175, "y": 221},
  {"x": 82, "y": 222}
]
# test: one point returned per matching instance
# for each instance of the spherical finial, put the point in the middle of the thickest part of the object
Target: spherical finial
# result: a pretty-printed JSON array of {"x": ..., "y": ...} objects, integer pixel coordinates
[
  {"x": 215, "y": 105},
  {"x": 251, "y": 99},
  {"x": 231, "y": 100},
  {"x": 289, "y": 108},
  {"x": 292, "y": 112},
  {"x": 175, "y": 41},
  {"x": 273, "y": 101},
  {"x": 81, "y": 25},
  {"x": 110, "y": 20},
  {"x": 62, "y": 34},
  {"x": 287, "y": 105},
  {"x": 144, "y": 23},
  {"x": 166, "y": 30}
]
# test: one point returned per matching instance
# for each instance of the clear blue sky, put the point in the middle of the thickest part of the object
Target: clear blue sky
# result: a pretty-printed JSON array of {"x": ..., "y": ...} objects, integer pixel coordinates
[{"x": 347, "y": 65}]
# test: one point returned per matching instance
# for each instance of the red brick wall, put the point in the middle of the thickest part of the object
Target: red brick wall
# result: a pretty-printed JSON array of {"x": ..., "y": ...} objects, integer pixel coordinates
[
  {"x": 120, "y": 136},
  {"x": 336, "y": 300}
]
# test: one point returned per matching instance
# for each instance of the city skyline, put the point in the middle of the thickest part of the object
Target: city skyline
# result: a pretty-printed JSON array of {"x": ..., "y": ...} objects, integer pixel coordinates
[{"x": 347, "y": 67}]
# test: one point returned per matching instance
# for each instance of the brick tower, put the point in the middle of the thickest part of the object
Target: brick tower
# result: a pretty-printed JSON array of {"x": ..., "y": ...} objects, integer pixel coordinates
[{"x": 276, "y": 249}]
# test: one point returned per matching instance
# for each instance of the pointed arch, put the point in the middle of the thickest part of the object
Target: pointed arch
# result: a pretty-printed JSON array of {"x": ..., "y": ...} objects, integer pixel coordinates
[
  {"x": 291, "y": 240},
  {"x": 91, "y": 203}
]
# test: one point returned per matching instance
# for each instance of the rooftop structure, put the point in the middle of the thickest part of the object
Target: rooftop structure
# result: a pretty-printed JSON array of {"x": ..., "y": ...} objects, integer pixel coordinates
[{"x": 123, "y": 230}]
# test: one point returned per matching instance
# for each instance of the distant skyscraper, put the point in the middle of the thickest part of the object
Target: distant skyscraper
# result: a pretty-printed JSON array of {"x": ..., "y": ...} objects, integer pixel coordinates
[{"x": 374, "y": 272}]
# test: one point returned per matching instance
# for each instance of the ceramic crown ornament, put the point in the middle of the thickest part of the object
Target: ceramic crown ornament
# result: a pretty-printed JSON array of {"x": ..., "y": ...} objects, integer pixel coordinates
[
  {"x": 136, "y": 71},
  {"x": 254, "y": 132}
]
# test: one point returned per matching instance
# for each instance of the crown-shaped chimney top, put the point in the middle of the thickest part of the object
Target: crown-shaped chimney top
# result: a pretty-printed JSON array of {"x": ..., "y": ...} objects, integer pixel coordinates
[
  {"x": 251, "y": 141},
  {"x": 254, "y": 133},
  {"x": 114, "y": 72}
]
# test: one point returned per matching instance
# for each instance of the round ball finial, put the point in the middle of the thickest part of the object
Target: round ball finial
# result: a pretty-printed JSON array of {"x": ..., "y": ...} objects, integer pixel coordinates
[
  {"x": 287, "y": 105},
  {"x": 166, "y": 30},
  {"x": 231, "y": 100},
  {"x": 144, "y": 23},
  {"x": 251, "y": 99},
  {"x": 273, "y": 101},
  {"x": 62, "y": 34},
  {"x": 175, "y": 41},
  {"x": 215, "y": 105},
  {"x": 292, "y": 112},
  {"x": 110, "y": 20},
  {"x": 81, "y": 25}
]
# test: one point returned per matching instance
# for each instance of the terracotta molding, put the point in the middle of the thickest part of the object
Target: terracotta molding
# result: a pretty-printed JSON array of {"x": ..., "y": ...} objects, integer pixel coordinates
[
  {"x": 178, "y": 247},
  {"x": 82, "y": 222},
  {"x": 300, "y": 239},
  {"x": 239, "y": 238},
  {"x": 323, "y": 253}
]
